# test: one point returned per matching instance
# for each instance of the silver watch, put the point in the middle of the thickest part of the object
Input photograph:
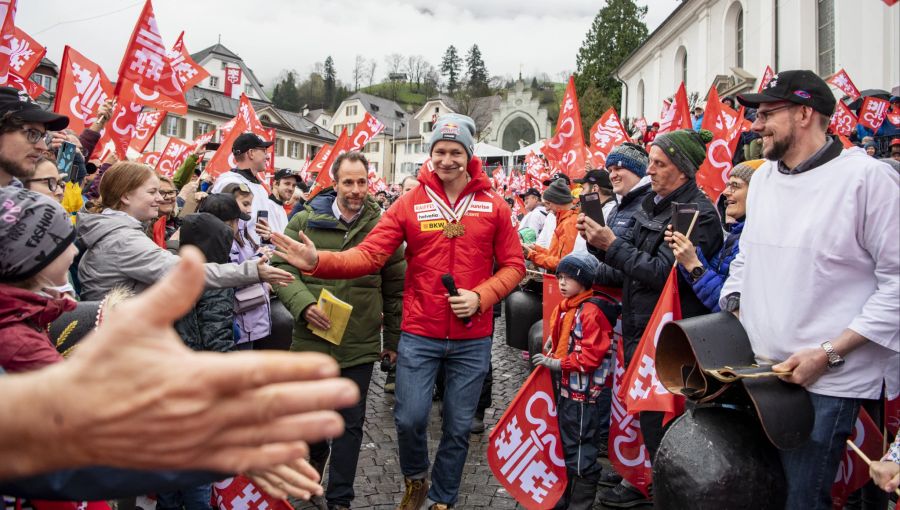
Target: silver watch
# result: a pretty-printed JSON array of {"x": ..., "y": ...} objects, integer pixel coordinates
[{"x": 834, "y": 359}]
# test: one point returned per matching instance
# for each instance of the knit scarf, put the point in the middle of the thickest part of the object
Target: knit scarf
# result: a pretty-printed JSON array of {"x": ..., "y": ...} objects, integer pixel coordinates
[{"x": 562, "y": 331}]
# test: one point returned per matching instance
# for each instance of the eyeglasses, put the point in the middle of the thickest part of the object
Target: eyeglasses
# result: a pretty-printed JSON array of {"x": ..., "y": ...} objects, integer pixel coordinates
[
  {"x": 52, "y": 182},
  {"x": 35, "y": 135},
  {"x": 764, "y": 116},
  {"x": 733, "y": 186},
  {"x": 168, "y": 194}
]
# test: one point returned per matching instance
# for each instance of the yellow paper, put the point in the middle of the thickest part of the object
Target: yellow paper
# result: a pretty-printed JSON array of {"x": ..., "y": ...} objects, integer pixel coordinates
[{"x": 338, "y": 313}]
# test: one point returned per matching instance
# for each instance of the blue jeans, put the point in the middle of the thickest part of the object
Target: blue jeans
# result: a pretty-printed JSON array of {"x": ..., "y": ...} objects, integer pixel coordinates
[
  {"x": 419, "y": 359},
  {"x": 195, "y": 498},
  {"x": 811, "y": 468}
]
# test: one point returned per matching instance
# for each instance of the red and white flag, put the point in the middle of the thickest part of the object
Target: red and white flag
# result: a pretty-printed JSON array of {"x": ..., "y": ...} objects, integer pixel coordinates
[
  {"x": 524, "y": 448},
  {"x": 149, "y": 158},
  {"x": 873, "y": 112},
  {"x": 641, "y": 124},
  {"x": 122, "y": 126},
  {"x": 606, "y": 133},
  {"x": 7, "y": 33},
  {"x": 31, "y": 88},
  {"x": 25, "y": 53},
  {"x": 325, "y": 178},
  {"x": 223, "y": 160},
  {"x": 232, "y": 78},
  {"x": 726, "y": 126},
  {"x": 843, "y": 122},
  {"x": 239, "y": 493},
  {"x": 767, "y": 76},
  {"x": 567, "y": 148},
  {"x": 187, "y": 73},
  {"x": 535, "y": 172},
  {"x": 627, "y": 453},
  {"x": 641, "y": 386},
  {"x": 853, "y": 472},
  {"x": 148, "y": 123},
  {"x": 318, "y": 162},
  {"x": 678, "y": 114},
  {"x": 498, "y": 178},
  {"x": 369, "y": 128},
  {"x": 145, "y": 63},
  {"x": 81, "y": 89},
  {"x": 842, "y": 81},
  {"x": 173, "y": 156}
]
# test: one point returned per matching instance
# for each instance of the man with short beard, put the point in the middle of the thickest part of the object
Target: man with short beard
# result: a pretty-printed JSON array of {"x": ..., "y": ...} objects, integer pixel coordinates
[
  {"x": 338, "y": 219},
  {"x": 283, "y": 192},
  {"x": 816, "y": 280},
  {"x": 23, "y": 126}
]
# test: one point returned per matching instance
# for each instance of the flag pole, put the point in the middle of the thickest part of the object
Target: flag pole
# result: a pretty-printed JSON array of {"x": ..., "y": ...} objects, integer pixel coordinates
[{"x": 864, "y": 457}]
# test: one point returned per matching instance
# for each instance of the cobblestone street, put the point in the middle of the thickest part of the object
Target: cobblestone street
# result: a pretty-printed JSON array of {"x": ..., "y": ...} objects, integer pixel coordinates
[{"x": 379, "y": 483}]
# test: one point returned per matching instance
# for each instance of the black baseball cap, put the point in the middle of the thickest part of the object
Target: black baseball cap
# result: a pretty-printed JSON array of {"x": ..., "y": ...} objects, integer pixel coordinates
[
  {"x": 531, "y": 192},
  {"x": 285, "y": 172},
  {"x": 598, "y": 177},
  {"x": 20, "y": 105},
  {"x": 247, "y": 141},
  {"x": 223, "y": 206},
  {"x": 556, "y": 176},
  {"x": 801, "y": 87}
]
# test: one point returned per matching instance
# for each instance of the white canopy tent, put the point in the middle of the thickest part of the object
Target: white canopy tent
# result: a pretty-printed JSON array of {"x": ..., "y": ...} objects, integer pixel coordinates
[
  {"x": 484, "y": 150},
  {"x": 535, "y": 147}
]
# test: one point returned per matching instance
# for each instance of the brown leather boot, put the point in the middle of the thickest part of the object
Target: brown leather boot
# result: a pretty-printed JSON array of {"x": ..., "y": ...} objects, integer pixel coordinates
[{"x": 414, "y": 497}]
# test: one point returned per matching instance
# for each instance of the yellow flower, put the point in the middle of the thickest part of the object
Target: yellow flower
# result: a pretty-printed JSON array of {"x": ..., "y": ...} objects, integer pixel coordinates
[{"x": 72, "y": 200}]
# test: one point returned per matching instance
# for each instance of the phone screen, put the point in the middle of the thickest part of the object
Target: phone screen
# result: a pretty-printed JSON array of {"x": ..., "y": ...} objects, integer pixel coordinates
[
  {"x": 683, "y": 216},
  {"x": 262, "y": 215},
  {"x": 592, "y": 207},
  {"x": 65, "y": 156}
]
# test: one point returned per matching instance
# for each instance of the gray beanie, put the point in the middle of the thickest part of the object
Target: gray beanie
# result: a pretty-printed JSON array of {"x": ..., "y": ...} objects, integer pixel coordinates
[
  {"x": 558, "y": 193},
  {"x": 581, "y": 266},
  {"x": 629, "y": 156},
  {"x": 34, "y": 231},
  {"x": 455, "y": 128}
]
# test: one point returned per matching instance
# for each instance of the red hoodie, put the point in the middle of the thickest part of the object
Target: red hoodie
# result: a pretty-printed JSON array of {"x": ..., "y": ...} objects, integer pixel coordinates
[
  {"x": 489, "y": 237},
  {"x": 24, "y": 317}
]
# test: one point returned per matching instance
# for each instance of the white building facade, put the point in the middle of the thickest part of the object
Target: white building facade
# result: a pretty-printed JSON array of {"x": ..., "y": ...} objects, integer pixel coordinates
[{"x": 730, "y": 43}]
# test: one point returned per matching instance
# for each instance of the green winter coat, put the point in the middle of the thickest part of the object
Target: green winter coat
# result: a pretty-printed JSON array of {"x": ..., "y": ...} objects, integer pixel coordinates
[{"x": 371, "y": 295}]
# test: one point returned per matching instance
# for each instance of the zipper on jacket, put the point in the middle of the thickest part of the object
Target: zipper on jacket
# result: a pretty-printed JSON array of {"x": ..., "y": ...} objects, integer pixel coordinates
[{"x": 450, "y": 313}]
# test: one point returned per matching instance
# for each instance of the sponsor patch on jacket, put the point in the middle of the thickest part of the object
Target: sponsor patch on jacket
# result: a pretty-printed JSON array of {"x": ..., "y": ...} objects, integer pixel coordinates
[
  {"x": 477, "y": 206},
  {"x": 428, "y": 215},
  {"x": 424, "y": 207},
  {"x": 431, "y": 226}
]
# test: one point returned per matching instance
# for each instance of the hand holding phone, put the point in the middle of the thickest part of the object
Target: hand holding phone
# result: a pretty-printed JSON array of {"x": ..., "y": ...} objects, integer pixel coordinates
[
  {"x": 65, "y": 156},
  {"x": 683, "y": 217},
  {"x": 592, "y": 207}
]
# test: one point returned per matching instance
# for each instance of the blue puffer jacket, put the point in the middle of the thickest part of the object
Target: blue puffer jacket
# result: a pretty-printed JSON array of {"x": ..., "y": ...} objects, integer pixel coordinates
[{"x": 709, "y": 286}]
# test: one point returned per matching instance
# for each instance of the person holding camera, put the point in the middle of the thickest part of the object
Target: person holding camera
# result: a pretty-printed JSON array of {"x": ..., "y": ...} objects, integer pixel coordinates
[
  {"x": 640, "y": 260},
  {"x": 338, "y": 219}
]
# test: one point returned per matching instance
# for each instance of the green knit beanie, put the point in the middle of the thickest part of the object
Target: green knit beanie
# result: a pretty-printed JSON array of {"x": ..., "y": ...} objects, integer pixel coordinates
[{"x": 686, "y": 148}]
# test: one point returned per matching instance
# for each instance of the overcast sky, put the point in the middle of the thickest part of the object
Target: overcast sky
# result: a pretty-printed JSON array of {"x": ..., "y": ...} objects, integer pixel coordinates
[{"x": 534, "y": 36}]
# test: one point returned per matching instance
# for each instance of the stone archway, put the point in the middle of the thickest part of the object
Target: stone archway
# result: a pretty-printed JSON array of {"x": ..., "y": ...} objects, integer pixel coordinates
[{"x": 518, "y": 128}]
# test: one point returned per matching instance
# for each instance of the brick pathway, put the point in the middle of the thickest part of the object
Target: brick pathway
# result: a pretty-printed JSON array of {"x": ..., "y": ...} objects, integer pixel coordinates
[{"x": 379, "y": 483}]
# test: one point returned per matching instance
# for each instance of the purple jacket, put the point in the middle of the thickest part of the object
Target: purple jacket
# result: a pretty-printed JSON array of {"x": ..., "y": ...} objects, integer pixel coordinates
[{"x": 255, "y": 323}]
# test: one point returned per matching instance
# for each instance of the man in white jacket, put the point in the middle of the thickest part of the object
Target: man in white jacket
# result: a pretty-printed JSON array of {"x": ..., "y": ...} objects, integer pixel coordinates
[{"x": 817, "y": 281}]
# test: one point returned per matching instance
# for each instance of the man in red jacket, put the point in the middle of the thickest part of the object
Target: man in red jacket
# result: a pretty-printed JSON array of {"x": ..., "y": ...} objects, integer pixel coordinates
[{"x": 453, "y": 224}]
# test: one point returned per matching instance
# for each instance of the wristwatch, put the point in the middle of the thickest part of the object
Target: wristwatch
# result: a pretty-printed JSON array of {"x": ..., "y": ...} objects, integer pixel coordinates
[
  {"x": 697, "y": 272},
  {"x": 834, "y": 359}
]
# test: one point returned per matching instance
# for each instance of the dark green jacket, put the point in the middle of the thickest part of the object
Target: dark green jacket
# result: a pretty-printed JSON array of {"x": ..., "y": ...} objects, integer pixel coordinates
[{"x": 370, "y": 295}]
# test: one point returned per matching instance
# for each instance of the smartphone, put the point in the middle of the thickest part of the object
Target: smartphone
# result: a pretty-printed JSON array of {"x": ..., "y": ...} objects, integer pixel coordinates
[
  {"x": 262, "y": 215},
  {"x": 204, "y": 186},
  {"x": 592, "y": 207},
  {"x": 211, "y": 146},
  {"x": 65, "y": 156},
  {"x": 683, "y": 216}
]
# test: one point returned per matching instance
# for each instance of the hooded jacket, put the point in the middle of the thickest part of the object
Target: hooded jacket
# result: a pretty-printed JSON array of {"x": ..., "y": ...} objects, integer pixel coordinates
[
  {"x": 644, "y": 260},
  {"x": 562, "y": 243},
  {"x": 209, "y": 325},
  {"x": 489, "y": 236},
  {"x": 117, "y": 252},
  {"x": 377, "y": 298},
  {"x": 24, "y": 317}
]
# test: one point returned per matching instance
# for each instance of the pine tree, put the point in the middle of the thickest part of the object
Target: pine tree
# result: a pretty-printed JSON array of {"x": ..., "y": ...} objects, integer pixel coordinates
[
  {"x": 451, "y": 67},
  {"x": 330, "y": 82},
  {"x": 477, "y": 75},
  {"x": 618, "y": 29},
  {"x": 286, "y": 95}
]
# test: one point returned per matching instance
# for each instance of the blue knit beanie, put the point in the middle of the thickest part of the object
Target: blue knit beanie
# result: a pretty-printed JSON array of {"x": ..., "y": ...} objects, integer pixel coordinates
[
  {"x": 630, "y": 157},
  {"x": 455, "y": 128},
  {"x": 581, "y": 266}
]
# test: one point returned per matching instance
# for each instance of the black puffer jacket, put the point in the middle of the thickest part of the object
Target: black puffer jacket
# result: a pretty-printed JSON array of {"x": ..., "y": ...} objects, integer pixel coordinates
[
  {"x": 621, "y": 220},
  {"x": 645, "y": 260}
]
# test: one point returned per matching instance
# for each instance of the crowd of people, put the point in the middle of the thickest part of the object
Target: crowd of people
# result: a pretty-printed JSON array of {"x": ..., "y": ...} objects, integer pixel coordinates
[{"x": 807, "y": 258}]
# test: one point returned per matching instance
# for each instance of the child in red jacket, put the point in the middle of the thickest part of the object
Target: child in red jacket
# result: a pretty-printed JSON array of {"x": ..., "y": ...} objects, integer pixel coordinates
[{"x": 579, "y": 339}]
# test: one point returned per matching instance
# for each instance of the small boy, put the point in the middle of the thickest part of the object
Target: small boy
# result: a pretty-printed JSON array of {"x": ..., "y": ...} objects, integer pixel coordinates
[{"x": 579, "y": 339}]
